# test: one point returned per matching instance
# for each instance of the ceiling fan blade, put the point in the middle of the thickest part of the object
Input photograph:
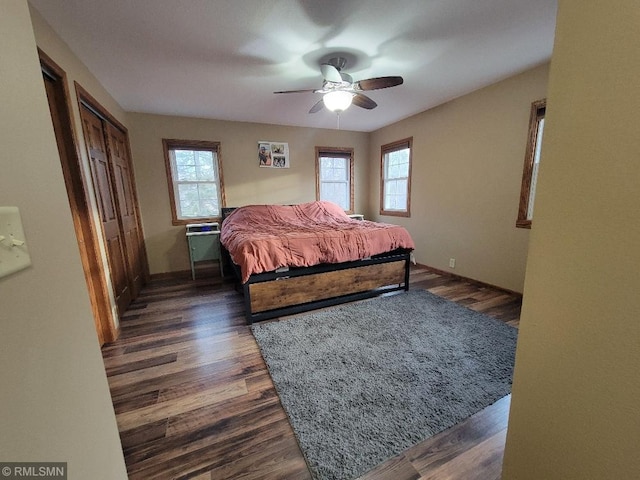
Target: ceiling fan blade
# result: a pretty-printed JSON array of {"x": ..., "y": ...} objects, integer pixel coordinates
[
  {"x": 346, "y": 77},
  {"x": 317, "y": 107},
  {"x": 297, "y": 91},
  {"x": 363, "y": 101},
  {"x": 330, "y": 73},
  {"x": 379, "y": 82}
]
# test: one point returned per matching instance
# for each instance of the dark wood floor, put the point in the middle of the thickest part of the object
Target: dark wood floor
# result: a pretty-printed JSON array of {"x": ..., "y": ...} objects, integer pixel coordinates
[{"x": 193, "y": 398}]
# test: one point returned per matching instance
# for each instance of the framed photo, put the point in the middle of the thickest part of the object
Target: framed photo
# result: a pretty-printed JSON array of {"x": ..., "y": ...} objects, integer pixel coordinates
[{"x": 273, "y": 154}]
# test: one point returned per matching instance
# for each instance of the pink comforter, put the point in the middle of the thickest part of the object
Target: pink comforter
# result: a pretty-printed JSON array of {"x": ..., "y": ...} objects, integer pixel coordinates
[{"x": 262, "y": 238}]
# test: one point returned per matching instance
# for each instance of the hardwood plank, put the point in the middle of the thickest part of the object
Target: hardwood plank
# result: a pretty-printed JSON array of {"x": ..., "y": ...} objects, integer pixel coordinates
[
  {"x": 218, "y": 434},
  {"x": 244, "y": 406},
  {"x": 203, "y": 476},
  {"x": 188, "y": 335},
  {"x": 190, "y": 359},
  {"x": 210, "y": 452},
  {"x": 139, "y": 400},
  {"x": 484, "y": 305},
  {"x": 164, "y": 410},
  {"x": 143, "y": 363},
  {"x": 174, "y": 348},
  {"x": 193, "y": 397},
  {"x": 488, "y": 455},
  {"x": 446, "y": 446},
  {"x": 148, "y": 432},
  {"x": 227, "y": 369},
  {"x": 282, "y": 461},
  {"x": 397, "y": 467}
]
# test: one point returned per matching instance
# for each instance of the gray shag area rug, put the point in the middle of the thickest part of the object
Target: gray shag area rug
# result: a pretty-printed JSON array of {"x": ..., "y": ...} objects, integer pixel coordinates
[{"x": 365, "y": 381}]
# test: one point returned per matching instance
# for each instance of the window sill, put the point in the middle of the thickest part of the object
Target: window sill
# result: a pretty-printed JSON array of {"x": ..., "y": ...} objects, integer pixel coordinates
[
  {"x": 195, "y": 220},
  {"x": 395, "y": 213}
]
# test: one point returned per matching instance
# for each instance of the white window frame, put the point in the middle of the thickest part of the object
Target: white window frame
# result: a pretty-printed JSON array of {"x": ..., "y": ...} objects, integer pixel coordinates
[
  {"x": 170, "y": 146},
  {"x": 386, "y": 180},
  {"x": 341, "y": 153}
]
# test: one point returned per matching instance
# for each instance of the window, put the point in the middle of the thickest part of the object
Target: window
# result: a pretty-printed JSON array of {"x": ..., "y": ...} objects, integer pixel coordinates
[
  {"x": 531, "y": 164},
  {"x": 334, "y": 173},
  {"x": 395, "y": 178},
  {"x": 194, "y": 173}
]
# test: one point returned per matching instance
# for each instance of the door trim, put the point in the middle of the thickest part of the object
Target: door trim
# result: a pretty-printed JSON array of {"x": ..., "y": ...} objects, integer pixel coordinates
[{"x": 81, "y": 212}]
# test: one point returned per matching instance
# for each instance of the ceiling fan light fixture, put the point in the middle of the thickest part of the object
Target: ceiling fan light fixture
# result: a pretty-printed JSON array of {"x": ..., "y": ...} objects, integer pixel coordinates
[{"x": 337, "y": 101}]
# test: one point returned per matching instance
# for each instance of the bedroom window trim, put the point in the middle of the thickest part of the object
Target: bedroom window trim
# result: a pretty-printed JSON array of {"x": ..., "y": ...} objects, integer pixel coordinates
[
  {"x": 531, "y": 163},
  {"x": 336, "y": 152},
  {"x": 169, "y": 145},
  {"x": 385, "y": 150}
]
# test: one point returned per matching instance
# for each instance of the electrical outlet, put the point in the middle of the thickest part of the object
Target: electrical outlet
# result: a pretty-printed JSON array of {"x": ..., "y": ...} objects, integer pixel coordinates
[{"x": 452, "y": 263}]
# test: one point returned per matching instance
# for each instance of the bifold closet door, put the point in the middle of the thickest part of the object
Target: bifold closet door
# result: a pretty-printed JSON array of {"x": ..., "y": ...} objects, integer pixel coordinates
[
  {"x": 94, "y": 133},
  {"x": 123, "y": 183}
]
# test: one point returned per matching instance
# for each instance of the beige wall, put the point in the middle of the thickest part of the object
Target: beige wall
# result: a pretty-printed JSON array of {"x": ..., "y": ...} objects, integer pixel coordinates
[
  {"x": 244, "y": 181},
  {"x": 51, "y": 43},
  {"x": 575, "y": 412},
  {"x": 468, "y": 156},
  {"x": 55, "y": 403}
]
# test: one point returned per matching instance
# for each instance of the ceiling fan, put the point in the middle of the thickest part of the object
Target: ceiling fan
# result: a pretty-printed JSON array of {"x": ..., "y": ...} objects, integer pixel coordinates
[{"x": 339, "y": 90}]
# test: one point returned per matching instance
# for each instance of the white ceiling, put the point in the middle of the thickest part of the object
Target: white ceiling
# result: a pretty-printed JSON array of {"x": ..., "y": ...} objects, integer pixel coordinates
[{"x": 223, "y": 59}]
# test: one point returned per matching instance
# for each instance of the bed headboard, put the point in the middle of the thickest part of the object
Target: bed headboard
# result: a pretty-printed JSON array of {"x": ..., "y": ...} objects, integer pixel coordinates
[
  {"x": 227, "y": 264},
  {"x": 225, "y": 212}
]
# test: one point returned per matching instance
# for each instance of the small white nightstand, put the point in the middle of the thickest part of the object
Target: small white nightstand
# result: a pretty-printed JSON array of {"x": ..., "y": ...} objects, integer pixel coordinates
[{"x": 204, "y": 244}]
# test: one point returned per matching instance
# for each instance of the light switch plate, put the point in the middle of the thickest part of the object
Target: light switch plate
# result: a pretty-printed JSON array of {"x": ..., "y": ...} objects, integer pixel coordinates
[{"x": 14, "y": 255}]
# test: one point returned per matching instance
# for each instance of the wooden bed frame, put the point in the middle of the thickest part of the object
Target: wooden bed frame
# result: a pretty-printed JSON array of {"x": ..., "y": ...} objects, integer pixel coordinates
[{"x": 300, "y": 289}]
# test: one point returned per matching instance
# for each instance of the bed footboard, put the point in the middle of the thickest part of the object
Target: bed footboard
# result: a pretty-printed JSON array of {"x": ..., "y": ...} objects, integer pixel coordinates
[{"x": 274, "y": 294}]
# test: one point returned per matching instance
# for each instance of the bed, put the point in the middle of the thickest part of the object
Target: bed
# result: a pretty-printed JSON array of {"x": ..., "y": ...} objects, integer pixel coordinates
[{"x": 293, "y": 258}]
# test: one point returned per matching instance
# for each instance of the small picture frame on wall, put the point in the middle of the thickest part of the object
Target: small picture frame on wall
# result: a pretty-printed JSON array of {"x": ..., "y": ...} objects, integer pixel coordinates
[{"x": 273, "y": 154}]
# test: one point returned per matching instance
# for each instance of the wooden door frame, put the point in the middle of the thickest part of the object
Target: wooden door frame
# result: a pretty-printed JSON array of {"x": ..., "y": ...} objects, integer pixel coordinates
[
  {"x": 81, "y": 212},
  {"x": 84, "y": 98}
]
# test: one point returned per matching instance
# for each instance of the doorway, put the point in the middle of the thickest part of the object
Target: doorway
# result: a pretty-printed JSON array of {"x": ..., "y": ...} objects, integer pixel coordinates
[
  {"x": 114, "y": 196},
  {"x": 88, "y": 242}
]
